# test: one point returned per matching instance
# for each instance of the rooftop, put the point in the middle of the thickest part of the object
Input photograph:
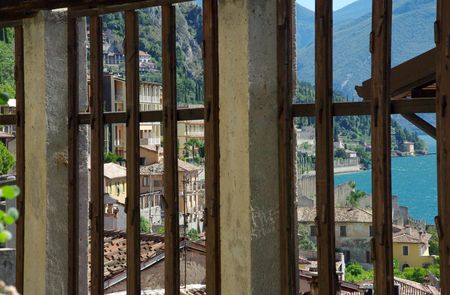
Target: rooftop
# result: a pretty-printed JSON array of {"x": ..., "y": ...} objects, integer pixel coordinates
[
  {"x": 114, "y": 171},
  {"x": 306, "y": 214},
  {"x": 158, "y": 168}
]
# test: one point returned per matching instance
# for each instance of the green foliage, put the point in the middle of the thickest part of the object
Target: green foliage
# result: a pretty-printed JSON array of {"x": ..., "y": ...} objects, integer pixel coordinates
[
  {"x": 194, "y": 149},
  {"x": 161, "y": 230},
  {"x": 7, "y": 82},
  {"x": 304, "y": 241},
  {"x": 433, "y": 242},
  {"x": 11, "y": 215},
  {"x": 355, "y": 196},
  {"x": 7, "y": 159},
  {"x": 189, "y": 37},
  {"x": 113, "y": 158},
  {"x": 144, "y": 225},
  {"x": 341, "y": 154},
  {"x": 355, "y": 129},
  {"x": 193, "y": 235},
  {"x": 355, "y": 273}
]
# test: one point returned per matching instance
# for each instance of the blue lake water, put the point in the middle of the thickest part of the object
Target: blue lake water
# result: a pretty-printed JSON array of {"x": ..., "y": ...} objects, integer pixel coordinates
[{"x": 414, "y": 181}]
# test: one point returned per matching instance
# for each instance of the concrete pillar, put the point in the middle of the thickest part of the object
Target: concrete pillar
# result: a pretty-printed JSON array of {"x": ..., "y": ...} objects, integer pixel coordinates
[
  {"x": 249, "y": 208},
  {"x": 46, "y": 135}
]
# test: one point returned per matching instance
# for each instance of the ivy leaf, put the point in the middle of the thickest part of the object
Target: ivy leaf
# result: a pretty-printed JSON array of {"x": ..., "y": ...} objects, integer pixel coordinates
[
  {"x": 4, "y": 97},
  {"x": 5, "y": 236},
  {"x": 13, "y": 213},
  {"x": 8, "y": 219},
  {"x": 9, "y": 192}
]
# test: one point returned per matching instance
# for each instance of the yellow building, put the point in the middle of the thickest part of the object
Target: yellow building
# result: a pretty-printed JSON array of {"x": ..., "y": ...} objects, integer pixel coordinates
[
  {"x": 410, "y": 247},
  {"x": 115, "y": 177}
]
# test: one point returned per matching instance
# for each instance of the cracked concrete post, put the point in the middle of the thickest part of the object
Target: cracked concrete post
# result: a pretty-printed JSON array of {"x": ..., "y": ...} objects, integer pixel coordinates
[
  {"x": 46, "y": 141},
  {"x": 249, "y": 208}
]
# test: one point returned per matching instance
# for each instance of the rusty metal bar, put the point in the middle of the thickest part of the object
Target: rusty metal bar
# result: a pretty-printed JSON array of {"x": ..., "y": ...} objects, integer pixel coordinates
[
  {"x": 289, "y": 277},
  {"x": 212, "y": 153},
  {"x": 73, "y": 206},
  {"x": 443, "y": 140},
  {"x": 20, "y": 154},
  {"x": 97, "y": 142},
  {"x": 132, "y": 152},
  {"x": 381, "y": 146},
  {"x": 324, "y": 148},
  {"x": 171, "y": 218}
]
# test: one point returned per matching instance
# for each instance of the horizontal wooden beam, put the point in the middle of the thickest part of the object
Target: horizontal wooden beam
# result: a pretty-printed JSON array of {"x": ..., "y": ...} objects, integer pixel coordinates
[
  {"x": 122, "y": 117},
  {"x": 14, "y": 10},
  {"x": 89, "y": 11},
  {"x": 361, "y": 108}
]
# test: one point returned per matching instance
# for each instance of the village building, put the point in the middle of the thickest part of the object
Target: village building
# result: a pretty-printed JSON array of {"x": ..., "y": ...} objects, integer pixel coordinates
[
  {"x": 353, "y": 229},
  {"x": 150, "y": 98},
  {"x": 191, "y": 192},
  {"x": 409, "y": 148},
  {"x": 115, "y": 177},
  {"x": 113, "y": 54},
  {"x": 411, "y": 248},
  {"x": 152, "y": 262}
]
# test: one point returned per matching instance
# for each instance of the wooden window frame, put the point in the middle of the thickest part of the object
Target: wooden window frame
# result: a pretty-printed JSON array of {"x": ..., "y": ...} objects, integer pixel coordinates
[{"x": 11, "y": 13}]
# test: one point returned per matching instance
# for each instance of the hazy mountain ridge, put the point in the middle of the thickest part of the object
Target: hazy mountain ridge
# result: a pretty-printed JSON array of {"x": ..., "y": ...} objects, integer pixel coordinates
[{"x": 413, "y": 25}]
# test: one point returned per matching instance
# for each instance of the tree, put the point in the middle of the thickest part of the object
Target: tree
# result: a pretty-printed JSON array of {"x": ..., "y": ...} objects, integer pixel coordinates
[
  {"x": 193, "y": 235},
  {"x": 144, "y": 225},
  {"x": 355, "y": 273},
  {"x": 113, "y": 158},
  {"x": 340, "y": 154},
  {"x": 304, "y": 241},
  {"x": 434, "y": 241},
  {"x": 7, "y": 160},
  {"x": 355, "y": 196}
]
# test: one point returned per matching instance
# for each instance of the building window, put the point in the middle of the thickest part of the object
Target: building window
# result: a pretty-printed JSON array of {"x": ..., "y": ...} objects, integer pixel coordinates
[
  {"x": 370, "y": 231},
  {"x": 343, "y": 231},
  {"x": 368, "y": 258},
  {"x": 313, "y": 231},
  {"x": 146, "y": 181},
  {"x": 405, "y": 250},
  {"x": 347, "y": 256}
]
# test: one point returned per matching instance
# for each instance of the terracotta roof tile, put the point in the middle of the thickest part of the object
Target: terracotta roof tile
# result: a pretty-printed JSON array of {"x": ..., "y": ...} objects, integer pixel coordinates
[{"x": 306, "y": 214}]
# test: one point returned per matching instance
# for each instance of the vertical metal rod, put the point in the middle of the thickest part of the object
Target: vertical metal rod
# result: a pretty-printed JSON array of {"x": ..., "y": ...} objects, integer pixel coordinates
[
  {"x": 20, "y": 155},
  {"x": 443, "y": 140},
  {"x": 324, "y": 148},
  {"x": 286, "y": 80},
  {"x": 212, "y": 153},
  {"x": 171, "y": 218},
  {"x": 381, "y": 146},
  {"x": 97, "y": 142},
  {"x": 72, "y": 42},
  {"x": 132, "y": 152}
]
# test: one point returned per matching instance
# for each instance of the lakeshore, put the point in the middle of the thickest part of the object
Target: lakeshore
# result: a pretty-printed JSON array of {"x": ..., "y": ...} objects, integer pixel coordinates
[{"x": 414, "y": 181}]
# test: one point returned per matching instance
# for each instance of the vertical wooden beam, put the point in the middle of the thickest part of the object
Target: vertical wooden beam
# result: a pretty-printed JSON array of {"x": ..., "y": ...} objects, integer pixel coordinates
[
  {"x": 288, "y": 213},
  {"x": 381, "y": 146},
  {"x": 132, "y": 152},
  {"x": 20, "y": 155},
  {"x": 72, "y": 42},
  {"x": 443, "y": 140},
  {"x": 97, "y": 135},
  {"x": 324, "y": 148},
  {"x": 212, "y": 153},
  {"x": 171, "y": 219}
]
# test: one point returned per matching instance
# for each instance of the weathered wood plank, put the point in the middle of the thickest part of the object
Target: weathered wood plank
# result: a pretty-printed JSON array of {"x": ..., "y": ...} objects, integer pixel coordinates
[
  {"x": 97, "y": 142},
  {"x": 20, "y": 154},
  {"x": 72, "y": 42},
  {"x": 132, "y": 151},
  {"x": 324, "y": 148},
  {"x": 171, "y": 218},
  {"x": 212, "y": 153},
  {"x": 443, "y": 139},
  {"x": 381, "y": 146},
  {"x": 421, "y": 124},
  {"x": 289, "y": 277}
]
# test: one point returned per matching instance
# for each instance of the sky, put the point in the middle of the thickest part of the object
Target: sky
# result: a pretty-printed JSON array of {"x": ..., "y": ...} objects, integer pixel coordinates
[{"x": 337, "y": 4}]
